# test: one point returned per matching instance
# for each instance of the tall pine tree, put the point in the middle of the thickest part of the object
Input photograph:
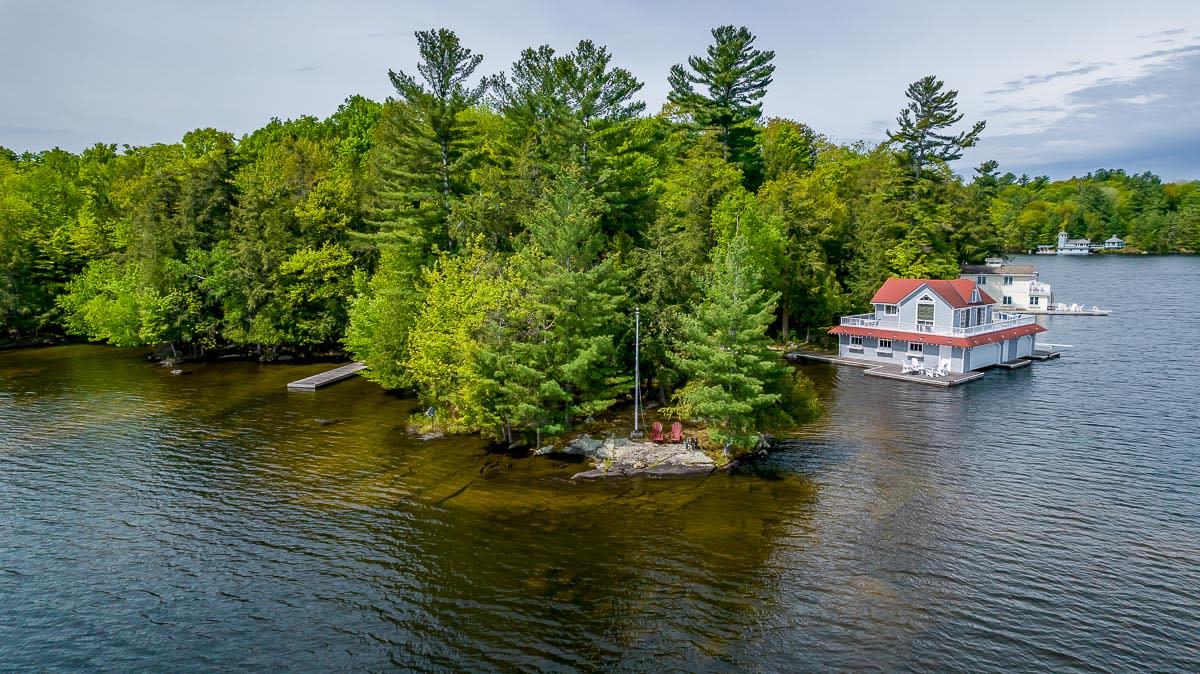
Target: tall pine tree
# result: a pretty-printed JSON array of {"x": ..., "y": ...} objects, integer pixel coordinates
[
  {"x": 922, "y": 123},
  {"x": 724, "y": 91}
]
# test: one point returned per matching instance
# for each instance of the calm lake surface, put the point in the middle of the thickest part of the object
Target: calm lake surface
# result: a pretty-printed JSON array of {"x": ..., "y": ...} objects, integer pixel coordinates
[{"x": 1043, "y": 519}]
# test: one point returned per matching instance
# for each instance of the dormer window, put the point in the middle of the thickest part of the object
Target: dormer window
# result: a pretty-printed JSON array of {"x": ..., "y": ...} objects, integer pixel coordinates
[
  {"x": 975, "y": 296},
  {"x": 925, "y": 311}
]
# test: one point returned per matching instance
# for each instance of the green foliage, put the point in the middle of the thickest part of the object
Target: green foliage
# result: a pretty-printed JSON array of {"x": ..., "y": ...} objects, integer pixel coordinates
[
  {"x": 424, "y": 150},
  {"x": 486, "y": 253},
  {"x": 724, "y": 92},
  {"x": 788, "y": 148},
  {"x": 462, "y": 294},
  {"x": 724, "y": 352},
  {"x": 563, "y": 104},
  {"x": 920, "y": 125},
  {"x": 382, "y": 314},
  {"x": 1147, "y": 214}
]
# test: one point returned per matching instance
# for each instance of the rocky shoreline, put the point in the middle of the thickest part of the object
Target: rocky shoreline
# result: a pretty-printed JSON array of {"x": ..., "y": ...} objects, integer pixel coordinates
[{"x": 622, "y": 457}]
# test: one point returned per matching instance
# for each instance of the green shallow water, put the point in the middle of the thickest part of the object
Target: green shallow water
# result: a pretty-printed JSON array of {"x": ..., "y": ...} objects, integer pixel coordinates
[{"x": 1046, "y": 518}]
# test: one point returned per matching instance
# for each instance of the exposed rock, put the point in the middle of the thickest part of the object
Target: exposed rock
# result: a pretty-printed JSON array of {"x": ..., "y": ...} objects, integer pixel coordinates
[
  {"x": 673, "y": 470},
  {"x": 622, "y": 457},
  {"x": 584, "y": 446}
]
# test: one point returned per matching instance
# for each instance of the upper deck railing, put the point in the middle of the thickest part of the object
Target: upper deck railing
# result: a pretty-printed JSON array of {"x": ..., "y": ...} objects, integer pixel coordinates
[{"x": 1000, "y": 321}]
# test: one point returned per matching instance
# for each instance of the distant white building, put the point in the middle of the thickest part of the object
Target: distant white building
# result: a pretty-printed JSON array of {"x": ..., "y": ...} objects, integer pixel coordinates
[
  {"x": 1015, "y": 286},
  {"x": 931, "y": 321},
  {"x": 1114, "y": 243},
  {"x": 1068, "y": 246}
]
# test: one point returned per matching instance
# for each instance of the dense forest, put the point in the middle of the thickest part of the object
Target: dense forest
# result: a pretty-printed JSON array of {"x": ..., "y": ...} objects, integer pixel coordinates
[{"x": 483, "y": 240}]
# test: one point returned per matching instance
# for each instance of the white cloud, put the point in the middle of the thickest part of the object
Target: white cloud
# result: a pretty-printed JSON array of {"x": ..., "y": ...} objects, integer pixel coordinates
[{"x": 1143, "y": 99}]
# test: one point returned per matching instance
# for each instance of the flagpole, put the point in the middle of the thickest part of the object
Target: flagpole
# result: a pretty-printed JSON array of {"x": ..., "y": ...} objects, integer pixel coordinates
[{"x": 637, "y": 370}]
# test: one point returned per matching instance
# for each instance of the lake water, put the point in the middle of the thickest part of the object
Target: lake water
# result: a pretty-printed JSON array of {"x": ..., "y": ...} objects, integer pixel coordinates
[{"x": 1042, "y": 519}]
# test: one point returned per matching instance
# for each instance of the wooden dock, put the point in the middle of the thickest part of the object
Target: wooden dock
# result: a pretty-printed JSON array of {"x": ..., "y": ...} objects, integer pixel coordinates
[
  {"x": 1068, "y": 312},
  {"x": 945, "y": 381},
  {"x": 325, "y": 378},
  {"x": 1043, "y": 355},
  {"x": 887, "y": 371}
]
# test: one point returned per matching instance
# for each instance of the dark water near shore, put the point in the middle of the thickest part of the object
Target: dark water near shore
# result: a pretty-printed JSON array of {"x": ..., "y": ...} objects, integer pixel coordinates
[{"x": 1043, "y": 519}]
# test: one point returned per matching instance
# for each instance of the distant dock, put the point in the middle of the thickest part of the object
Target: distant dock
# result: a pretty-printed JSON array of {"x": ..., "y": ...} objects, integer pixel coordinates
[
  {"x": 326, "y": 378},
  {"x": 1068, "y": 312}
]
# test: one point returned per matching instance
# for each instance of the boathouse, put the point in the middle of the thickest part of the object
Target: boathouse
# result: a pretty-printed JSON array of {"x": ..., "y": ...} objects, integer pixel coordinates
[{"x": 936, "y": 322}]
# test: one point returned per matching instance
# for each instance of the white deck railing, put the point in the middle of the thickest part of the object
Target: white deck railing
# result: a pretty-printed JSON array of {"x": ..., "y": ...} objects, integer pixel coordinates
[{"x": 1000, "y": 321}]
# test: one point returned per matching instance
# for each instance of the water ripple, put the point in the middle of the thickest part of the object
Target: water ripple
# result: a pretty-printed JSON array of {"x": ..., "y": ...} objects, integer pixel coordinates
[{"x": 1043, "y": 519}]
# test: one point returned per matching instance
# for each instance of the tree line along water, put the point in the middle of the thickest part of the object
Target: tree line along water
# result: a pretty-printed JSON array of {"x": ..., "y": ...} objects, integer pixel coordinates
[{"x": 483, "y": 243}]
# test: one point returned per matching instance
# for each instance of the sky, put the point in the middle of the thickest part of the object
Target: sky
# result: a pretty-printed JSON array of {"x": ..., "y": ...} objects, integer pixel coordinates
[{"x": 1065, "y": 87}]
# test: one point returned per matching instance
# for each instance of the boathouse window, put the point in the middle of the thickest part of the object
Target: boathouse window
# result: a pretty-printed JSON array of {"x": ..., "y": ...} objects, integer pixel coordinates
[
  {"x": 855, "y": 340},
  {"x": 981, "y": 280},
  {"x": 885, "y": 344},
  {"x": 1008, "y": 280},
  {"x": 925, "y": 313},
  {"x": 890, "y": 310},
  {"x": 915, "y": 347},
  {"x": 1033, "y": 301}
]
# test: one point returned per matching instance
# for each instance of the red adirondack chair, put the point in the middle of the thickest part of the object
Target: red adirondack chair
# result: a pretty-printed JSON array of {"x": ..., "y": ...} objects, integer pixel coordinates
[
  {"x": 676, "y": 432},
  {"x": 656, "y": 433}
]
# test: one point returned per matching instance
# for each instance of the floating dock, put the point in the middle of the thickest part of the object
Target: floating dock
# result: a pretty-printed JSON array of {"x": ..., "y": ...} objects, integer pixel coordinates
[
  {"x": 945, "y": 381},
  {"x": 889, "y": 371},
  {"x": 326, "y": 378},
  {"x": 1042, "y": 355},
  {"x": 1068, "y": 312}
]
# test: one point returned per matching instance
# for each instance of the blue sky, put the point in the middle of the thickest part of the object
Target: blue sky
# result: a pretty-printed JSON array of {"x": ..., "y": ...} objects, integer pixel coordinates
[{"x": 1066, "y": 87}]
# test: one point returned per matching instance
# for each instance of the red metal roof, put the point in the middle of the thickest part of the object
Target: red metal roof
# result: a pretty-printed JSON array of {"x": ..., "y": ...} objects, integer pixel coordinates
[
  {"x": 945, "y": 340},
  {"x": 956, "y": 293}
]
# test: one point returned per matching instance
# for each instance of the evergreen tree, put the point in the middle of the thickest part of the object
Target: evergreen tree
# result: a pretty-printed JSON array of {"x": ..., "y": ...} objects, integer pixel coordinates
[
  {"x": 573, "y": 308},
  {"x": 724, "y": 352},
  {"x": 732, "y": 80},
  {"x": 920, "y": 133},
  {"x": 565, "y": 102},
  {"x": 422, "y": 156}
]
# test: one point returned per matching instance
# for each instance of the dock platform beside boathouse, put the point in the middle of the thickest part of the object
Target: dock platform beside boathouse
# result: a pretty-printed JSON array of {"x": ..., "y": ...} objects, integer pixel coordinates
[{"x": 890, "y": 371}]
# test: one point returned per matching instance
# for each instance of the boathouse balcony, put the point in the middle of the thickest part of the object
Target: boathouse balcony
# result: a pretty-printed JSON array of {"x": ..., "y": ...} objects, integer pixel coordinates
[{"x": 1000, "y": 321}]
